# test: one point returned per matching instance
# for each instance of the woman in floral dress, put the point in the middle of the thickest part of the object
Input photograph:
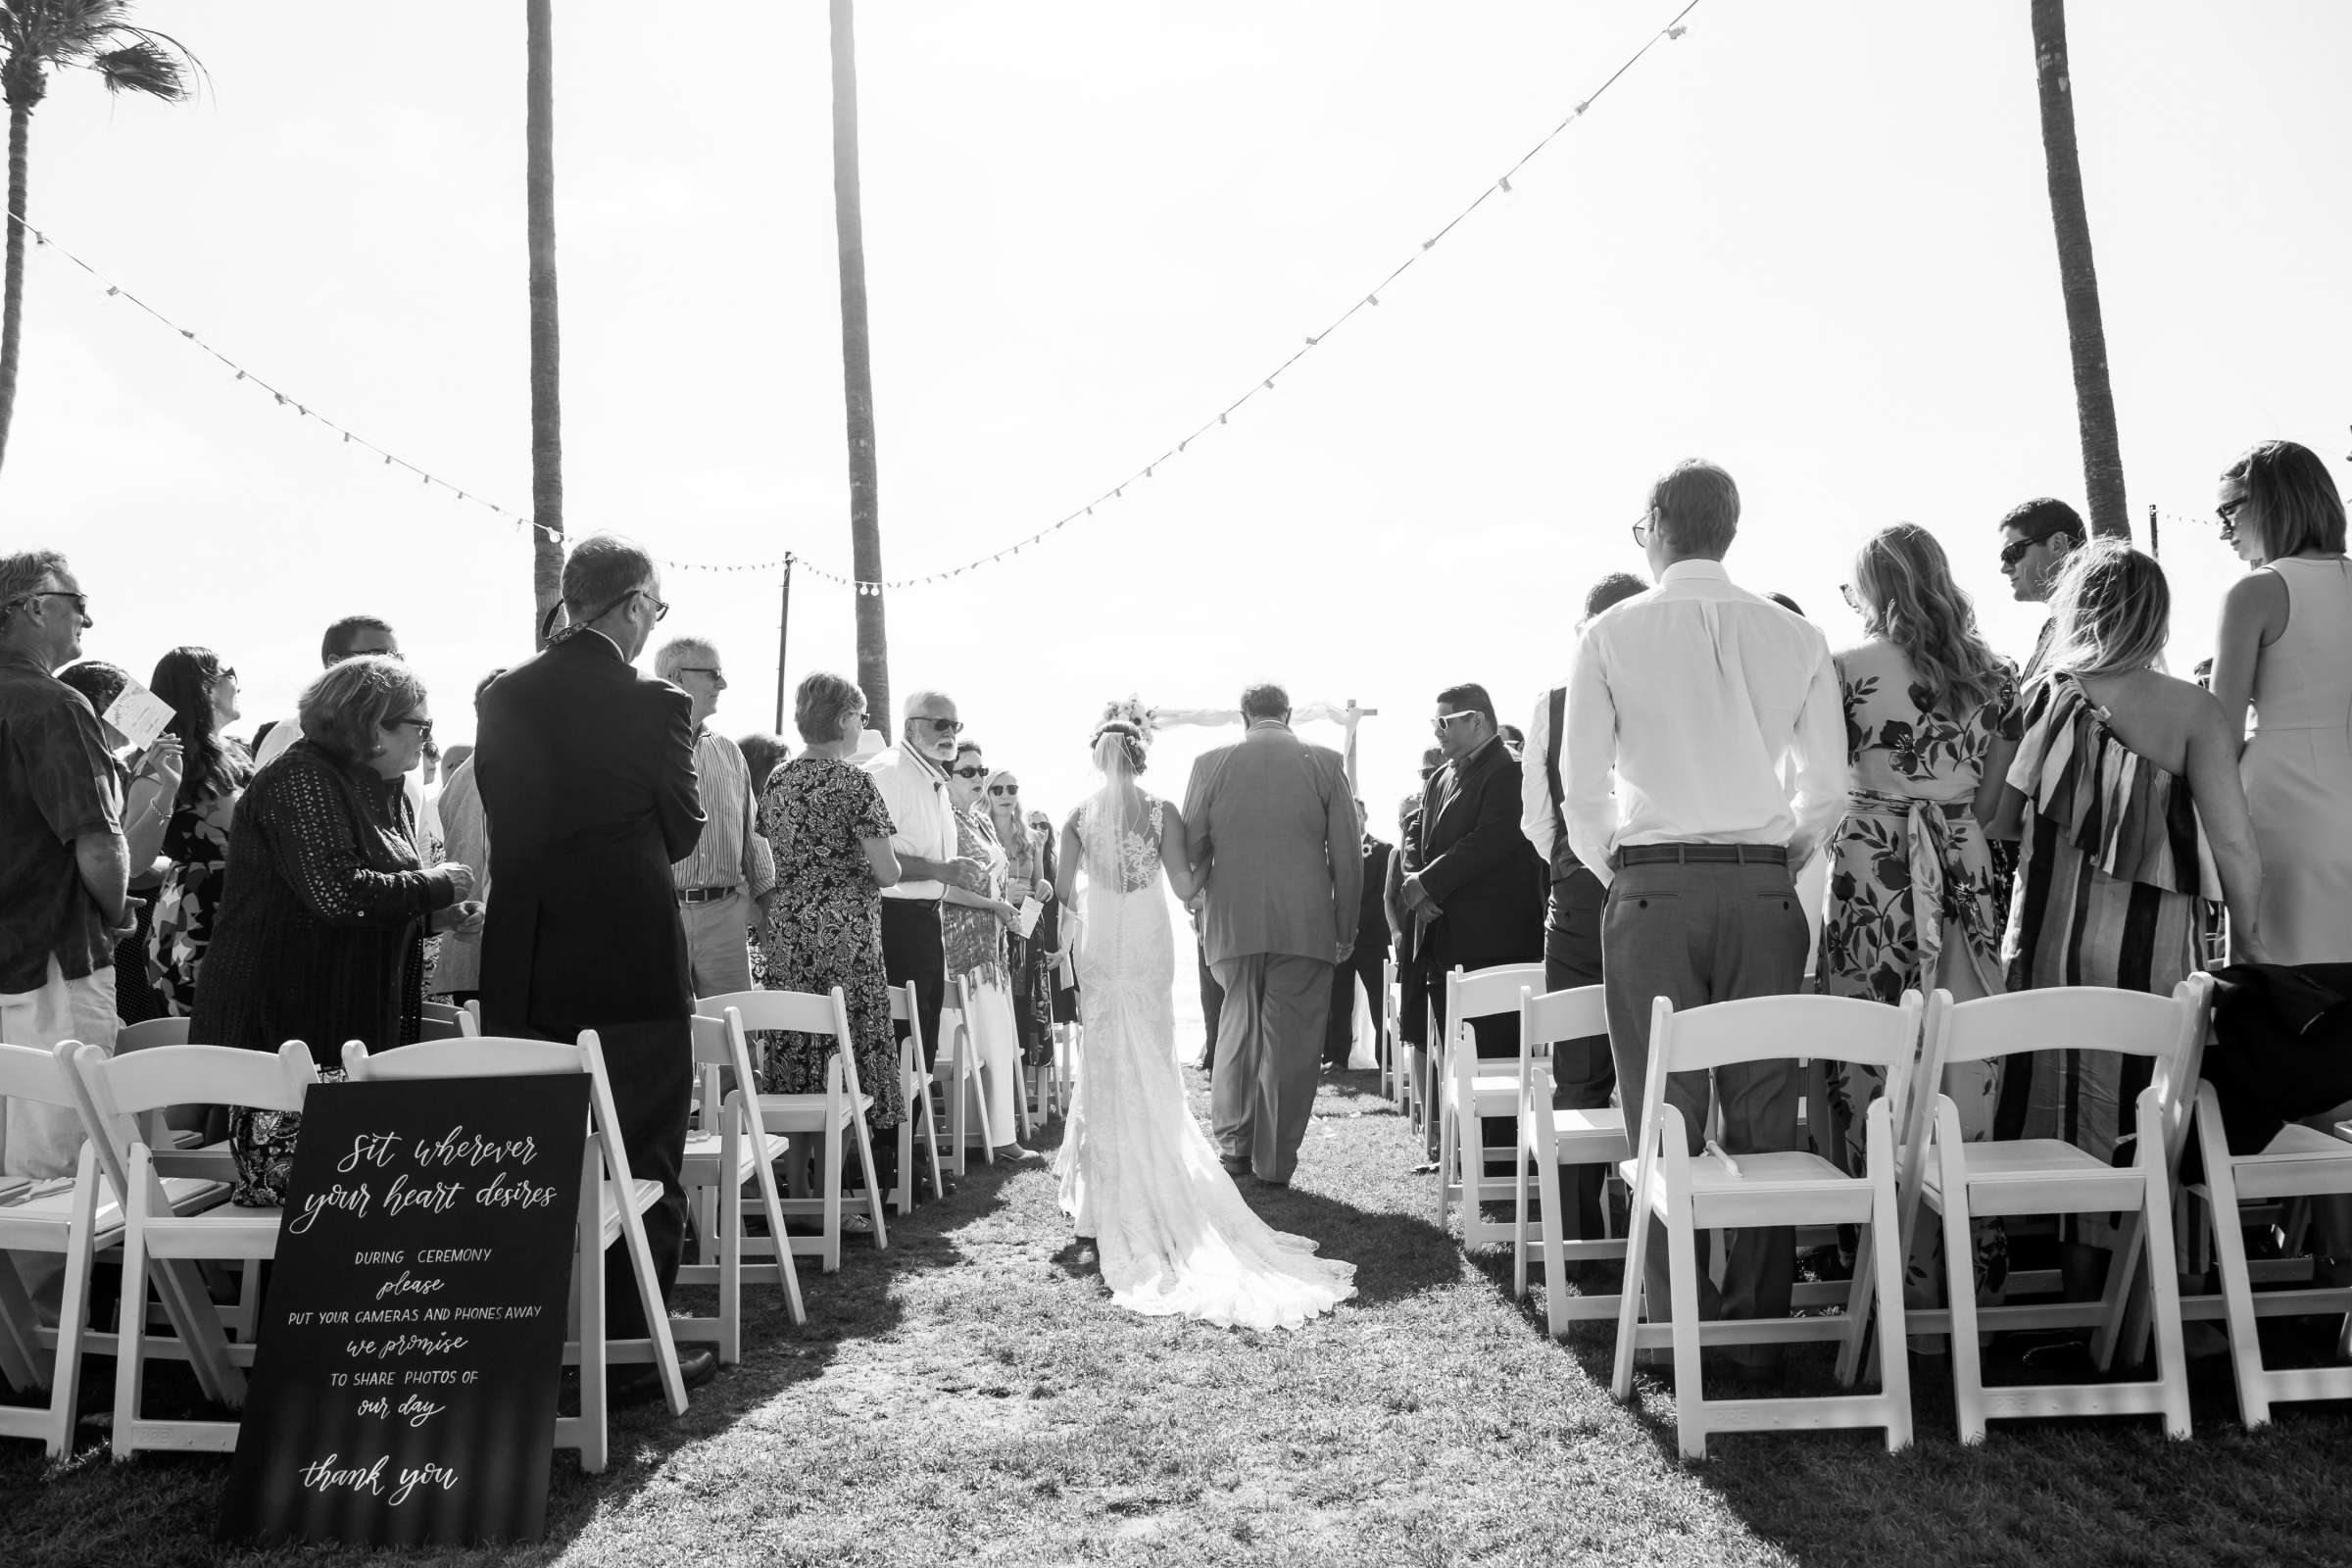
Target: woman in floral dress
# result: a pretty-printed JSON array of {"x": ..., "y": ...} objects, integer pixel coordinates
[
  {"x": 214, "y": 772},
  {"x": 830, "y": 831},
  {"x": 974, "y": 926},
  {"x": 1930, "y": 724}
]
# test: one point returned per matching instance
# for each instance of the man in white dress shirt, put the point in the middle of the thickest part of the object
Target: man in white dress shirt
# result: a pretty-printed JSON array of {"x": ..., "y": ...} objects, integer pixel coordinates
[
  {"x": 1689, "y": 699},
  {"x": 723, "y": 886},
  {"x": 912, "y": 777}
]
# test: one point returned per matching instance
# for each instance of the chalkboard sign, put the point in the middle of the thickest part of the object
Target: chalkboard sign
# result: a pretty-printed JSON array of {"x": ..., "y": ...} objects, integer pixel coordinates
[{"x": 403, "y": 1387}]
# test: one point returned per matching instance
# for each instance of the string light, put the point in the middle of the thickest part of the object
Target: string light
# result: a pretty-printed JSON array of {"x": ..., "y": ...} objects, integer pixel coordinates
[{"x": 1501, "y": 184}]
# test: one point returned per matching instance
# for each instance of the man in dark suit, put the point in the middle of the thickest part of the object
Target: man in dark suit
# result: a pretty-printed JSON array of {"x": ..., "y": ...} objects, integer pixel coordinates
[
  {"x": 586, "y": 771},
  {"x": 1480, "y": 885},
  {"x": 1365, "y": 960}
]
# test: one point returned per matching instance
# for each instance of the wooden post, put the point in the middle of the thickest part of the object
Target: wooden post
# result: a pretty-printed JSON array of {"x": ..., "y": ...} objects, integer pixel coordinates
[{"x": 783, "y": 641}]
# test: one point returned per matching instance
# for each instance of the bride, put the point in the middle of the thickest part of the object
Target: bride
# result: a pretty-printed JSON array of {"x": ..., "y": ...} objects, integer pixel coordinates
[{"x": 1137, "y": 1175}]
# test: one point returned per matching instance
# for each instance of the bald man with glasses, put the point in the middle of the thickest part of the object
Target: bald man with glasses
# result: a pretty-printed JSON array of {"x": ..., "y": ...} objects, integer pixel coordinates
[{"x": 912, "y": 778}]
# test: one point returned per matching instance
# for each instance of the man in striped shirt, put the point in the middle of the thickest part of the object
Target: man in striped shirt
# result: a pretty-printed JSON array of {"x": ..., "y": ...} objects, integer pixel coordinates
[{"x": 723, "y": 886}]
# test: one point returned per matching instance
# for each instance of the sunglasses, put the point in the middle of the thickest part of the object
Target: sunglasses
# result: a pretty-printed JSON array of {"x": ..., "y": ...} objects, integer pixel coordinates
[
  {"x": 2227, "y": 513},
  {"x": 943, "y": 726},
  {"x": 1003, "y": 788},
  {"x": 2015, "y": 551},
  {"x": 423, "y": 726},
  {"x": 969, "y": 772},
  {"x": 1440, "y": 722}
]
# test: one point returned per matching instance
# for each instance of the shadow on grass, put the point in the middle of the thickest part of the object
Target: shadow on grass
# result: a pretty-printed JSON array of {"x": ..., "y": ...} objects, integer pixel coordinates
[
  {"x": 160, "y": 1507},
  {"x": 2087, "y": 1490}
]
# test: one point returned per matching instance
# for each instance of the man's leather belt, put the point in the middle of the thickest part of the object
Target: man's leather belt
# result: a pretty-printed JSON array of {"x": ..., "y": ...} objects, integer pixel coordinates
[
  {"x": 1703, "y": 854},
  {"x": 707, "y": 895}
]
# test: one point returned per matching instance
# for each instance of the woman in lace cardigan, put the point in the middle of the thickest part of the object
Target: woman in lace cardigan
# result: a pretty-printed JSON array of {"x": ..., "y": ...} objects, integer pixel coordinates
[{"x": 321, "y": 921}]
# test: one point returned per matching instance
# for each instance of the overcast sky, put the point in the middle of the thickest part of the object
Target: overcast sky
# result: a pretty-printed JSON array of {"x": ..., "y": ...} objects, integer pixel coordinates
[{"x": 1809, "y": 239}]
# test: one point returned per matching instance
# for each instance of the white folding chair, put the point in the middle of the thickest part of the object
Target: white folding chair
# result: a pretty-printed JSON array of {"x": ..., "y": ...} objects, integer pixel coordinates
[
  {"x": 120, "y": 1096},
  {"x": 1963, "y": 1182},
  {"x": 441, "y": 1020},
  {"x": 1553, "y": 1138},
  {"x": 613, "y": 1207},
  {"x": 728, "y": 1152},
  {"x": 2298, "y": 1163},
  {"x": 914, "y": 1088},
  {"x": 77, "y": 1220},
  {"x": 818, "y": 1122},
  {"x": 1392, "y": 1062},
  {"x": 956, "y": 1073},
  {"x": 1693, "y": 1193},
  {"x": 1469, "y": 1091}
]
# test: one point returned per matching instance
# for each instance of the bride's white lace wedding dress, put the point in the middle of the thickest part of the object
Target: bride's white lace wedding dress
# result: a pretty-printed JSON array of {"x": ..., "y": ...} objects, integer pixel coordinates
[{"x": 1136, "y": 1173}]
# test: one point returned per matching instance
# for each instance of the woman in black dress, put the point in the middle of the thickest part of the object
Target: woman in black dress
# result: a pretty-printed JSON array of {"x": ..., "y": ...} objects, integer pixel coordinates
[
  {"x": 320, "y": 933},
  {"x": 214, "y": 773},
  {"x": 830, "y": 831}
]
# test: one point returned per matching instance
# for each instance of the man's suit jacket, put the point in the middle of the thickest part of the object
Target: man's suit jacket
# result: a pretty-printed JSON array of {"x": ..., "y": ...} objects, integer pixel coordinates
[
  {"x": 1488, "y": 880},
  {"x": 1273, "y": 824},
  {"x": 586, "y": 771}
]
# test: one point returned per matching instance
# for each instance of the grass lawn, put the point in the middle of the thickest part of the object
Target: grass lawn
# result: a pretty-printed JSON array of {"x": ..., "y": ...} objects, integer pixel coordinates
[{"x": 970, "y": 1393}]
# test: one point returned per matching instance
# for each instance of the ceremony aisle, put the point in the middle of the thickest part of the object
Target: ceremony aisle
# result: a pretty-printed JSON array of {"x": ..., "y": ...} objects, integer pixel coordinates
[{"x": 970, "y": 1393}]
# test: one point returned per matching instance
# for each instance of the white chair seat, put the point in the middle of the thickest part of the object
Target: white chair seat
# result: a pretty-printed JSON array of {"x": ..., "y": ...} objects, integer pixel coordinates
[
  {"x": 703, "y": 1153},
  {"x": 1780, "y": 1186},
  {"x": 806, "y": 1113},
  {"x": 644, "y": 1189},
  {"x": 2015, "y": 1176},
  {"x": 226, "y": 1231},
  {"x": 2296, "y": 1162},
  {"x": 1592, "y": 1127},
  {"x": 189, "y": 1194}
]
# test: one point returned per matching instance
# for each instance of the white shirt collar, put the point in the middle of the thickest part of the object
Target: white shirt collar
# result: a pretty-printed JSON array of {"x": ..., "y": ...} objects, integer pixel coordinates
[{"x": 1711, "y": 570}]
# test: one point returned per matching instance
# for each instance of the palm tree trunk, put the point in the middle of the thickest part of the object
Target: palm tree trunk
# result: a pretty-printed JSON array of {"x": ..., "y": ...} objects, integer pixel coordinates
[
  {"x": 12, "y": 294},
  {"x": 2077, "y": 278},
  {"x": 858, "y": 372},
  {"x": 546, "y": 416}
]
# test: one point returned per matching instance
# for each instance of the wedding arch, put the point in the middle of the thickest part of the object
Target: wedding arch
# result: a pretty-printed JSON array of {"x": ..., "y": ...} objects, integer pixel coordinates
[{"x": 1347, "y": 715}]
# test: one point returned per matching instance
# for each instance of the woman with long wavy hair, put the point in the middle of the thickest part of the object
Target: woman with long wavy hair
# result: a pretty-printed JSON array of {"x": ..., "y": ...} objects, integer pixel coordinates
[
  {"x": 214, "y": 771},
  {"x": 1930, "y": 724}
]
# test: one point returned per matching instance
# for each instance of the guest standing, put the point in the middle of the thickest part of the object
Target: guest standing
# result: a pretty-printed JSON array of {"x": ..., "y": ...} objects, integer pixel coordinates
[
  {"x": 762, "y": 755},
  {"x": 214, "y": 773},
  {"x": 973, "y": 926},
  {"x": 2036, "y": 537},
  {"x": 823, "y": 818},
  {"x": 2121, "y": 777},
  {"x": 1411, "y": 925},
  {"x": 1931, "y": 725},
  {"x": 1029, "y": 875},
  {"x": 586, "y": 770},
  {"x": 912, "y": 777},
  {"x": 323, "y": 909},
  {"x": 150, "y": 784},
  {"x": 64, "y": 867},
  {"x": 352, "y": 637},
  {"x": 2286, "y": 646},
  {"x": 723, "y": 886},
  {"x": 1582, "y": 1073},
  {"x": 1689, "y": 699},
  {"x": 458, "y": 960},
  {"x": 1366, "y": 963}
]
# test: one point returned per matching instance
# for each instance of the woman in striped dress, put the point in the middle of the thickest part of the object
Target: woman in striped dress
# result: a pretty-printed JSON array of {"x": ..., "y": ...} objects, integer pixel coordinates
[{"x": 2126, "y": 796}]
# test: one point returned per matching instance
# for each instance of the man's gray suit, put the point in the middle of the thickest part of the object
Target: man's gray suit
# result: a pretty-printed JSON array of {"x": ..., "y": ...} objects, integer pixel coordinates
[{"x": 1272, "y": 828}]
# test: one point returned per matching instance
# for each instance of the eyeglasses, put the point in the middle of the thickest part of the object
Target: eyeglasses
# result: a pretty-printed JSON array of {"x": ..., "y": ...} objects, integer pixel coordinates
[
  {"x": 1645, "y": 528},
  {"x": 943, "y": 726},
  {"x": 2227, "y": 513},
  {"x": 2015, "y": 551},
  {"x": 712, "y": 671},
  {"x": 1440, "y": 722},
  {"x": 1003, "y": 788},
  {"x": 423, "y": 726},
  {"x": 82, "y": 602},
  {"x": 661, "y": 610},
  {"x": 969, "y": 772},
  {"x": 1853, "y": 601}
]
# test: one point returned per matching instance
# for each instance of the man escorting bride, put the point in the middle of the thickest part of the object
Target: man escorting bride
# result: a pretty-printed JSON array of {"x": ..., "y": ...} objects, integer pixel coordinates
[{"x": 1171, "y": 1232}]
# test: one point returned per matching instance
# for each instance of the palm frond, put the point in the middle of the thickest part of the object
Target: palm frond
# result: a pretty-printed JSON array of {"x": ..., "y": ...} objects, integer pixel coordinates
[{"x": 143, "y": 67}]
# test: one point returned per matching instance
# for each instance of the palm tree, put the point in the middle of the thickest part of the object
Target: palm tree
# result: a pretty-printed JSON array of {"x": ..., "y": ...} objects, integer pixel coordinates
[
  {"x": 37, "y": 37},
  {"x": 547, "y": 412},
  {"x": 2077, "y": 278},
  {"x": 857, "y": 371}
]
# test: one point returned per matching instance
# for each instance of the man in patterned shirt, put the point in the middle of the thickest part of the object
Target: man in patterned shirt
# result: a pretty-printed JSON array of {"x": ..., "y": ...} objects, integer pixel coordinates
[{"x": 64, "y": 871}]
